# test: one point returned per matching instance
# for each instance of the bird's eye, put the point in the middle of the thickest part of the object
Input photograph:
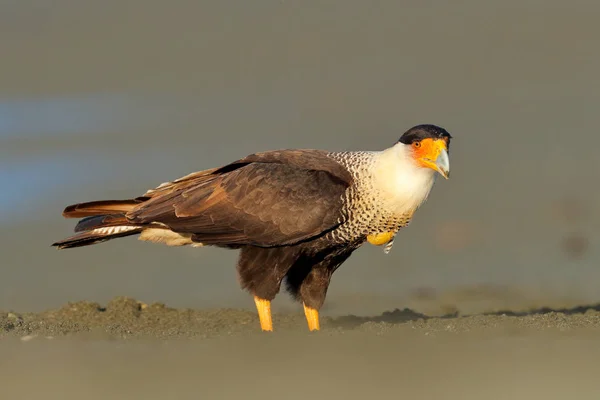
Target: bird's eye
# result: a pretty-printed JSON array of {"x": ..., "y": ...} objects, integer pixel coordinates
[{"x": 417, "y": 144}]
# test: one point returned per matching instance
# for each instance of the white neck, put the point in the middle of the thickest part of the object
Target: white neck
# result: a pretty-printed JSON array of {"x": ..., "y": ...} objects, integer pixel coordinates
[{"x": 403, "y": 183}]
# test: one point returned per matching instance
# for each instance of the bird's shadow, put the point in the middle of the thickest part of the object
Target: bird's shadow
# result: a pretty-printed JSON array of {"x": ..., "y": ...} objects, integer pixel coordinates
[{"x": 398, "y": 316}]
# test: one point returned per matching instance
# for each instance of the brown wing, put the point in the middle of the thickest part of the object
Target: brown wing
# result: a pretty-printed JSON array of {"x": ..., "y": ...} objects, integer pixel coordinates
[{"x": 266, "y": 199}]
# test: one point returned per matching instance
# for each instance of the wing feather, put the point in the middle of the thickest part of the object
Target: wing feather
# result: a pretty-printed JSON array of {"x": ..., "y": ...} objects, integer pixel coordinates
[{"x": 268, "y": 199}]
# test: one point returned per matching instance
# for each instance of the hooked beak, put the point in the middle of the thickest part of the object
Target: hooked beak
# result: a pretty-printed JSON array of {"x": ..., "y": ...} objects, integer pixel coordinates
[{"x": 442, "y": 164}]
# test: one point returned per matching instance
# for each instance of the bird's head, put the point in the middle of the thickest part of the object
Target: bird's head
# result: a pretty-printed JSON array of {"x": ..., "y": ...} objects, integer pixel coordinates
[{"x": 428, "y": 146}]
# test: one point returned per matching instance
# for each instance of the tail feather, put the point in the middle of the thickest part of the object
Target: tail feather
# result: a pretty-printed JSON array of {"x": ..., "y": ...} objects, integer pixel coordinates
[
  {"x": 102, "y": 207},
  {"x": 97, "y": 235},
  {"x": 101, "y": 221}
]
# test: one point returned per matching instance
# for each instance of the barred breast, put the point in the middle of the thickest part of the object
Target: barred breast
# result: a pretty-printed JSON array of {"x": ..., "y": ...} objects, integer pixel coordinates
[{"x": 365, "y": 212}]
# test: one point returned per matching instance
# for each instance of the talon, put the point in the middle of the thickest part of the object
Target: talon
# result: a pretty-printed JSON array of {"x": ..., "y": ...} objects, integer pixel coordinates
[{"x": 379, "y": 239}]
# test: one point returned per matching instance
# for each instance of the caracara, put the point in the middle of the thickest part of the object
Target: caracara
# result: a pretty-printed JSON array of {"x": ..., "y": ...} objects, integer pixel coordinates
[{"x": 295, "y": 215}]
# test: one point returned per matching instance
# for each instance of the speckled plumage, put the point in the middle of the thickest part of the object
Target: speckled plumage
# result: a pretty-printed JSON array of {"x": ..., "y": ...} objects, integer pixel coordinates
[{"x": 365, "y": 212}]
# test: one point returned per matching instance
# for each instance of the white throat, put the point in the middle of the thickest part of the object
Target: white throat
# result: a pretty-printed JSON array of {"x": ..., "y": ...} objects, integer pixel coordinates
[{"x": 403, "y": 183}]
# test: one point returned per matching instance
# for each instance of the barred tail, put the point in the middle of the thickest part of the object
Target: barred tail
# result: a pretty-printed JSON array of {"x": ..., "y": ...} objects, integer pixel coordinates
[
  {"x": 97, "y": 235},
  {"x": 104, "y": 220}
]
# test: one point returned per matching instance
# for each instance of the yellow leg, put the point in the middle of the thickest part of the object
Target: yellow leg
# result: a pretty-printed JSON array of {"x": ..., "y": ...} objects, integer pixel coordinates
[
  {"x": 312, "y": 317},
  {"x": 264, "y": 313}
]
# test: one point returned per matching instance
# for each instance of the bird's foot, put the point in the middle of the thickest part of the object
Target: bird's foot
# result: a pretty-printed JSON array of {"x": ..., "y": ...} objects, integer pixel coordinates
[
  {"x": 379, "y": 239},
  {"x": 312, "y": 317},
  {"x": 264, "y": 313}
]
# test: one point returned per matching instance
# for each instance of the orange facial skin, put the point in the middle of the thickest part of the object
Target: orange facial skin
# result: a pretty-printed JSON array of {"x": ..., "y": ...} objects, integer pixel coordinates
[{"x": 432, "y": 153}]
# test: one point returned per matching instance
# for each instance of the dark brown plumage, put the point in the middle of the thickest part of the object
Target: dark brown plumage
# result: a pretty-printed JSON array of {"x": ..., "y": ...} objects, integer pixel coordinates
[
  {"x": 295, "y": 215},
  {"x": 275, "y": 201}
]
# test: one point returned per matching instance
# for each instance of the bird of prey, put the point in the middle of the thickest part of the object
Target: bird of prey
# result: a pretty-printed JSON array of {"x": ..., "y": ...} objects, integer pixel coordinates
[{"x": 295, "y": 215}]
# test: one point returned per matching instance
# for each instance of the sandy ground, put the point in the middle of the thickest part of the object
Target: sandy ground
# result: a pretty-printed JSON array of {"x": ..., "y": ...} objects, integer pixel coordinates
[{"x": 130, "y": 350}]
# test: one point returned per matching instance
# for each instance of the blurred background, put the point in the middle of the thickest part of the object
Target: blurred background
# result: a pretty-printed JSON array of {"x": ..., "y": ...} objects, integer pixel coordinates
[{"x": 103, "y": 100}]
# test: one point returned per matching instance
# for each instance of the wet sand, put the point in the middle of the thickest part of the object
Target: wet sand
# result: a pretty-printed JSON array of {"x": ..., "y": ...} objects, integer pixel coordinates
[{"x": 127, "y": 349}]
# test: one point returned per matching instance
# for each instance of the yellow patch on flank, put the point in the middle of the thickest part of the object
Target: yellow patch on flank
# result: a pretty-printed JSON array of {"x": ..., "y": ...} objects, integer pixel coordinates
[{"x": 379, "y": 239}]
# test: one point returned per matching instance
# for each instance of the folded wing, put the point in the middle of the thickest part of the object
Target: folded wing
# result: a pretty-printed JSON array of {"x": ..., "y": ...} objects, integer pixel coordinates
[{"x": 266, "y": 199}]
